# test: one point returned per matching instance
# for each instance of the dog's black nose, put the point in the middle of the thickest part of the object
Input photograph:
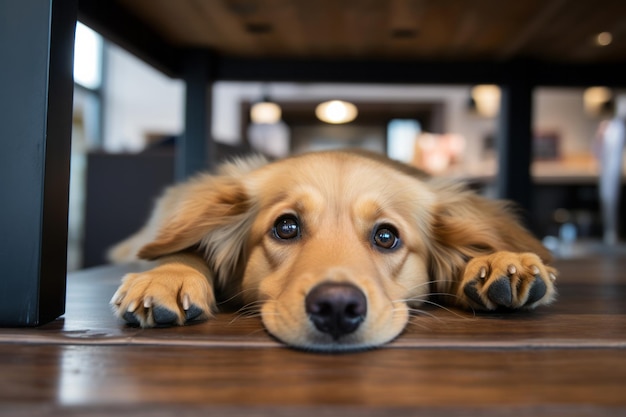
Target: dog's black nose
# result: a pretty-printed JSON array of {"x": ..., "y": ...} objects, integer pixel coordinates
[{"x": 336, "y": 308}]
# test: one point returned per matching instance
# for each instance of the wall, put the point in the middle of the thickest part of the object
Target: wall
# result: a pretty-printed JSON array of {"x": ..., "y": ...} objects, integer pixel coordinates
[
  {"x": 138, "y": 100},
  {"x": 561, "y": 110}
]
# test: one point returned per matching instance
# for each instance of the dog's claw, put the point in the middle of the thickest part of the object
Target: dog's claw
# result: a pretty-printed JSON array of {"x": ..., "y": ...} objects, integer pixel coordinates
[
  {"x": 511, "y": 269},
  {"x": 117, "y": 298},
  {"x": 186, "y": 302},
  {"x": 132, "y": 306},
  {"x": 483, "y": 273},
  {"x": 500, "y": 292}
]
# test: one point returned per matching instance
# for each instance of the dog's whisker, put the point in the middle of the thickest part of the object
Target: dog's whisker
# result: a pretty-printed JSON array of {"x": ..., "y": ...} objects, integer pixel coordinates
[
  {"x": 453, "y": 312},
  {"x": 428, "y": 283},
  {"x": 425, "y": 297},
  {"x": 250, "y": 306},
  {"x": 416, "y": 313},
  {"x": 243, "y": 317},
  {"x": 234, "y": 296},
  {"x": 414, "y": 322},
  {"x": 427, "y": 300},
  {"x": 253, "y": 306},
  {"x": 248, "y": 312}
]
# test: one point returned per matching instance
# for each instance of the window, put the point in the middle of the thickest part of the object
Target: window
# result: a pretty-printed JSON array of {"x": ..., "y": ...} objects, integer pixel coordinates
[
  {"x": 401, "y": 137},
  {"x": 87, "y": 57}
]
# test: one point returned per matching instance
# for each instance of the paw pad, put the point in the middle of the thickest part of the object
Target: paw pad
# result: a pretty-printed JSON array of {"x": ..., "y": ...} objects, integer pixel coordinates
[
  {"x": 130, "y": 318},
  {"x": 193, "y": 313},
  {"x": 471, "y": 292},
  {"x": 500, "y": 293},
  {"x": 537, "y": 290},
  {"x": 164, "y": 316}
]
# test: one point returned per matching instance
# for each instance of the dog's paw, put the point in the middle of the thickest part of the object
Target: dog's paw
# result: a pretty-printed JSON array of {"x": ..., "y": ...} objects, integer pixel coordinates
[
  {"x": 164, "y": 296},
  {"x": 508, "y": 280}
]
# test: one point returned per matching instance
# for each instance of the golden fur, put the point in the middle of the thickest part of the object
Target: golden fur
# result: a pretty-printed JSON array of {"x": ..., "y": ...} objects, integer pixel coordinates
[{"x": 219, "y": 232}]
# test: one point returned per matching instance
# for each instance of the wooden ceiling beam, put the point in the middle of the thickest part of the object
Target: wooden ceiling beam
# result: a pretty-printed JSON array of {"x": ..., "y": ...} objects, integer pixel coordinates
[
  {"x": 357, "y": 71},
  {"x": 536, "y": 73}
]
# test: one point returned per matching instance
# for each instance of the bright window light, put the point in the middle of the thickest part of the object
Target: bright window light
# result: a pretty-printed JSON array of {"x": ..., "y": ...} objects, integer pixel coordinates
[
  {"x": 87, "y": 57},
  {"x": 401, "y": 137}
]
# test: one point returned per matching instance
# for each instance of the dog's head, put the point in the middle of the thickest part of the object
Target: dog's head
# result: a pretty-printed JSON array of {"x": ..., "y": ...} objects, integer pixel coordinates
[
  {"x": 333, "y": 247},
  {"x": 336, "y": 250}
]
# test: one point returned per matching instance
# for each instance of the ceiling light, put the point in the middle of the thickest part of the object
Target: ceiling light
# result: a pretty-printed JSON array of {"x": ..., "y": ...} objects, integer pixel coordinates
[
  {"x": 265, "y": 112},
  {"x": 336, "y": 111},
  {"x": 487, "y": 99},
  {"x": 604, "y": 39}
]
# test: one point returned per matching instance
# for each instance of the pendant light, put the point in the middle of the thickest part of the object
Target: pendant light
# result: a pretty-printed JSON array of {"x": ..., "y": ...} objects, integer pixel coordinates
[
  {"x": 336, "y": 111},
  {"x": 265, "y": 112}
]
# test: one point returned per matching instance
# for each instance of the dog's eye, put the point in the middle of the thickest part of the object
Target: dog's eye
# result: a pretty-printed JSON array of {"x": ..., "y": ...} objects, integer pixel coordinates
[
  {"x": 286, "y": 227},
  {"x": 386, "y": 237}
]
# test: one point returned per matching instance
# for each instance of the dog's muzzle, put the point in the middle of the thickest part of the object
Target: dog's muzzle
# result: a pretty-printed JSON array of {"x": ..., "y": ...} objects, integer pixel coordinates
[{"x": 337, "y": 309}]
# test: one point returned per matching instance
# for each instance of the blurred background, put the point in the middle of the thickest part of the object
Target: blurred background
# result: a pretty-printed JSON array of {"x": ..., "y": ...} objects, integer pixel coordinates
[{"x": 129, "y": 116}]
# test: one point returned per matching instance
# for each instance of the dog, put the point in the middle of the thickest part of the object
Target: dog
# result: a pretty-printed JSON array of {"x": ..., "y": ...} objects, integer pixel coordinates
[{"x": 334, "y": 249}]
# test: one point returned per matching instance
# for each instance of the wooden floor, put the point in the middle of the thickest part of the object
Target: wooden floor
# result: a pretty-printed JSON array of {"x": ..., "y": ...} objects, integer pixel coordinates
[{"x": 568, "y": 359}]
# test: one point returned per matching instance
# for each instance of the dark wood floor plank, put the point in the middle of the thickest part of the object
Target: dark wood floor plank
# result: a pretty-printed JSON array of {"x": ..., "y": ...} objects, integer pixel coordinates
[
  {"x": 128, "y": 375},
  {"x": 567, "y": 359}
]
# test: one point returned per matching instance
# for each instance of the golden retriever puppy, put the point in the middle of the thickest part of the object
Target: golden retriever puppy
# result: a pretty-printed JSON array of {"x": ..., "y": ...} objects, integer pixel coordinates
[{"x": 333, "y": 248}]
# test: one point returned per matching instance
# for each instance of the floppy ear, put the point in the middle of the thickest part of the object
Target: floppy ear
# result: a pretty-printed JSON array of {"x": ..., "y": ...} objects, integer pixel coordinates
[
  {"x": 465, "y": 226},
  {"x": 210, "y": 213}
]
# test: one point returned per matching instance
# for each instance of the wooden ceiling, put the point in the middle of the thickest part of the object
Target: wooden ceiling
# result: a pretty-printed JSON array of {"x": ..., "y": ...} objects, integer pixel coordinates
[{"x": 434, "y": 30}]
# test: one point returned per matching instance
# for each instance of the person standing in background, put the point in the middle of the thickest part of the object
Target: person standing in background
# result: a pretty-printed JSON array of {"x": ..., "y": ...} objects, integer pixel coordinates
[{"x": 611, "y": 137}]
